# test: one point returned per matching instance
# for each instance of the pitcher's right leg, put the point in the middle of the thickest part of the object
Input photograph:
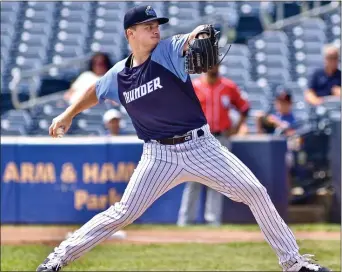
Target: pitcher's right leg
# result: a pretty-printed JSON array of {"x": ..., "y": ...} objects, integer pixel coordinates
[{"x": 151, "y": 179}]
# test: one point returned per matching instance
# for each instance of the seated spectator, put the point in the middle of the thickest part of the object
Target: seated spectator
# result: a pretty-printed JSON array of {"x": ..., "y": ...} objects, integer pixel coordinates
[
  {"x": 282, "y": 120},
  {"x": 325, "y": 81},
  {"x": 111, "y": 121},
  {"x": 99, "y": 64}
]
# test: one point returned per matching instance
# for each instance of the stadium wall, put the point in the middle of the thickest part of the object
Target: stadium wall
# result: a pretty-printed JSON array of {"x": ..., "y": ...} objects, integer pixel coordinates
[{"x": 69, "y": 180}]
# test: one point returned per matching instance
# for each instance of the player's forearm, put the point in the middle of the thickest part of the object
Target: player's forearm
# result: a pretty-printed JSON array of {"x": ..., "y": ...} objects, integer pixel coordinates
[
  {"x": 88, "y": 100},
  {"x": 336, "y": 91},
  {"x": 241, "y": 121},
  {"x": 312, "y": 98}
]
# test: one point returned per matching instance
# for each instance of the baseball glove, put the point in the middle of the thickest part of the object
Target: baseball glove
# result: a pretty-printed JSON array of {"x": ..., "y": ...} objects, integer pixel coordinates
[{"x": 202, "y": 54}]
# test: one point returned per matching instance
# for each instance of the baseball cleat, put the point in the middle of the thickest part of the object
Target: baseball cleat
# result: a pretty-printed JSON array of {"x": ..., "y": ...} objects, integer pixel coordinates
[
  {"x": 307, "y": 265},
  {"x": 49, "y": 266}
]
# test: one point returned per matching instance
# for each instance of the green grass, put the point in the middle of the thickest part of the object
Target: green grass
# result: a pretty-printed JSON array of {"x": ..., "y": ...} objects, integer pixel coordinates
[{"x": 179, "y": 257}]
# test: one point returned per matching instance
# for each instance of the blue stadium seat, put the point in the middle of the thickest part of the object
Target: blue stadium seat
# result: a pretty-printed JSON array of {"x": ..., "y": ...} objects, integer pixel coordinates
[
  {"x": 274, "y": 49},
  {"x": 257, "y": 102},
  {"x": 239, "y": 50},
  {"x": 277, "y": 76},
  {"x": 313, "y": 36},
  {"x": 274, "y": 61},
  {"x": 183, "y": 13},
  {"x": 75, "y": 15},
  {"x": 31, "y": 39},
  {"x": 70, "y": 39},
  {"x": 274, "y": 37},
  {"x": 248, "y": 8},
  {"x": 233, "y": 62},
  {"x": 239, "y": 76},
  {"x": 71, "y": 5},
  {"x": 20, "y": 117},
  {"x": 107, "y": 38},
  {"x": 37, "y": 28},
  {"x": 9, "y": 6},
  {"x": 32, "y": 52},
  {"x": 43, "y": 17},
  {"x": 313, "y": 48},
  {"x": 68, "y": 51},
  {"x": 313, "y": 24},
  {"x": 73, "y": 27},
  {"x": 110, "y": 14},
  {"x": 113, "y": 5},
  {"x": 6, "y": 42},
  {"x": 252, "y": 88},
  {"x": 294, "y": 88},
  {"x": 226, "y": 11},
  {"x": 7, "y": 17},
  {"x": 41, "y": 6},
  {"x": 15, "y": 130}
]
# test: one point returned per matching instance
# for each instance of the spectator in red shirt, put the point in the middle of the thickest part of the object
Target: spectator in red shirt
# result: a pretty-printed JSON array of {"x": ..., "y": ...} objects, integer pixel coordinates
[{"x": 217, "y": 96}]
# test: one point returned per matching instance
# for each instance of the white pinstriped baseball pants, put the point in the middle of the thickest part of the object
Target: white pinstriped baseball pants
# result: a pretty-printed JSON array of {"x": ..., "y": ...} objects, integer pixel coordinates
[{"x": 162, "y": 167}]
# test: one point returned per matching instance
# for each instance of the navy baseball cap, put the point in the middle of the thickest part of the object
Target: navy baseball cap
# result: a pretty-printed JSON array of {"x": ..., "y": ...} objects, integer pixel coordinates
[{"x": 142, "y": 14}]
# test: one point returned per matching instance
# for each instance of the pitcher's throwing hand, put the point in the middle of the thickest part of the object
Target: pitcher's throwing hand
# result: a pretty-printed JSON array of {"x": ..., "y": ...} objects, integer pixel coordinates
[{"x": 60, "y": 125}]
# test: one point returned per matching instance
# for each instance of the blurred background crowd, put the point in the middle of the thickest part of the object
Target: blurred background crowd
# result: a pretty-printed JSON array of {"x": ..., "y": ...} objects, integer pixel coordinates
[{"x": 283, "y": 67}]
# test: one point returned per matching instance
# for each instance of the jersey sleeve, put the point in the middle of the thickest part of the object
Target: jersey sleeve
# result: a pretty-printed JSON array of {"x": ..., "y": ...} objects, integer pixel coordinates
[
  {"x": 238, "y": 101},
  {"x": 169, "y": 53},
  {"x": 107, "y": 86}
]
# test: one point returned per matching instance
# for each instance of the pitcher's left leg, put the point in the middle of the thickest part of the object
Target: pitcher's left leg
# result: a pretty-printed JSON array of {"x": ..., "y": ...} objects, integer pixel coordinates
[{"x": 225, "y": 173}]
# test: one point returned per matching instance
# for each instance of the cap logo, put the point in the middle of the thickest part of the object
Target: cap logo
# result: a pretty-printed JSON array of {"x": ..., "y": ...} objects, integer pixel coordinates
[{"x": 150, "y": 11}]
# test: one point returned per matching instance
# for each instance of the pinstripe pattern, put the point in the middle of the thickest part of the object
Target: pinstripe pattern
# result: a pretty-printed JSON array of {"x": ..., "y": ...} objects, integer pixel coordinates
[
  {"x": 189, "y": 204},
  {"x": 161, "y": 168}
]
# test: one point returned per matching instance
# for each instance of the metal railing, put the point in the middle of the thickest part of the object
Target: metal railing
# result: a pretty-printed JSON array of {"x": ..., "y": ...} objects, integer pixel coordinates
[
  {"x": 318, "y": 10},
  {"x": 33, "y": 99}
]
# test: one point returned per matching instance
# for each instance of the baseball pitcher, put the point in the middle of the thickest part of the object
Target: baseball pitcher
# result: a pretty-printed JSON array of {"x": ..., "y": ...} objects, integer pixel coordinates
[{"x": 154, "y": 86}]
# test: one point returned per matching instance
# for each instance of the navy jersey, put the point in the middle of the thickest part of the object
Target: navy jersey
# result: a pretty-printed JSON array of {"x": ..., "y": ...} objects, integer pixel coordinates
[
  {"x": 322, "y": 84},
  {"x": 158, "y": 95}
]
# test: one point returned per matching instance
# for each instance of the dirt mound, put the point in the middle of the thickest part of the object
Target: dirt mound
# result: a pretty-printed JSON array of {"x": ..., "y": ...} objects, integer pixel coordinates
[{"x": 56, "y": 234}]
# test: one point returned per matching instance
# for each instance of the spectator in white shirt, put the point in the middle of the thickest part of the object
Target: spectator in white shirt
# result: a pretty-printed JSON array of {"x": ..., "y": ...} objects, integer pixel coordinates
[{"x": 99, "y": 64}]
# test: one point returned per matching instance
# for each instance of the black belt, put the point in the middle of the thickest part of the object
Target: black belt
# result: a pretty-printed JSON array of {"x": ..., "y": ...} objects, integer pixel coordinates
[{"x": 179, "y": 140}]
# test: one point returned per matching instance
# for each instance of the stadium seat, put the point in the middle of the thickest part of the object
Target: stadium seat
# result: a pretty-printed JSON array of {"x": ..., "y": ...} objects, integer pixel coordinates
[
  {"x": 226, "y": 11},
  {"x": 9, "y": 6},
  {"x": 252, "y": 87},
  {"x": 35, "y": 33},
  {"x": 114, "y": 5},
  {"x": 236, "y": 62},
  {"x": 21, "y": 117},
  {"x": 73, "y": 27},
  {"x": 13, "y": 130}
]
